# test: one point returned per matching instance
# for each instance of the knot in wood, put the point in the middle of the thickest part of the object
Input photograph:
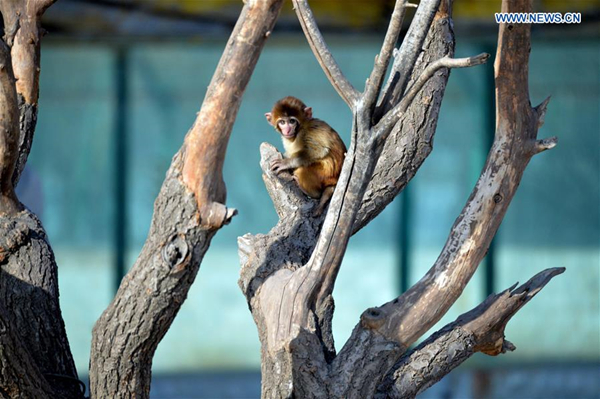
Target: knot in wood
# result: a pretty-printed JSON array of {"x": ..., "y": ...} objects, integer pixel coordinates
[
  {"x": 175, "y": 250},
  {"x": 498, "y": 198},
  {"x": 372, "y": 318},
  {"x": 2, "y": 327}
]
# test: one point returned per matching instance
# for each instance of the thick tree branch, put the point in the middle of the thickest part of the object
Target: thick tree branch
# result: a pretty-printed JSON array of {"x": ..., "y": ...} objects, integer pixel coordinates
[
  {"x": 206, "y": 142},
  {"x": 382, "y": 60},
  {"x": 403, "y": 320},
  {"x": 341, "y": 84},
  {"x": 411, "y": 139},
  {"x": 23, "y": 34},
  {"x": 480, "y": 330},
  {"x": 187, "y": 213},
  {"x": 9, "y": 133},
  {"x": 410, "y": 50}
]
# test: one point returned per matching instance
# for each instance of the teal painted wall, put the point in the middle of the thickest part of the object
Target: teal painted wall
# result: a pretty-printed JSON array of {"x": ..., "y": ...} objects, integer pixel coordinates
[{"x": 553, "y": 221}]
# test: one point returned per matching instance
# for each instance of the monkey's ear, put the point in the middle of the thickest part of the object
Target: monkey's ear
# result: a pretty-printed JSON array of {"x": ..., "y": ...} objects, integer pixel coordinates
[
  {"x": 268, "y": 116},
  {"x": 308, "y": 112}
]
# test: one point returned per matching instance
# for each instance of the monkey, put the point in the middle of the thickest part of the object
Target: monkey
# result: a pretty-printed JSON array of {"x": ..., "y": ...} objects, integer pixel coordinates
[{"x": 313, "y": 150}]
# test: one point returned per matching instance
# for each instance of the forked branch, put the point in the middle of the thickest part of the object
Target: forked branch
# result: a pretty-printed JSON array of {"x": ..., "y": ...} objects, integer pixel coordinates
[
  {"x": 479, "y": 330},
  {"x": 382, "y": 60},
  {"x": 315, "y": 39},
  {"x": 291, "y": 298},
  {"x": 410, "y": 315},
  {"x": 409, "y": 52},
  {"x": 362, "y": 157},
  {"x": 391, "y": 118}
]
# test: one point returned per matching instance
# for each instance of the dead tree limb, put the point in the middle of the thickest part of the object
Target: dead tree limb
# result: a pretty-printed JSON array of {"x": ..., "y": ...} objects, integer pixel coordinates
[
  {"x": 479, "y": 330},
  {"x": 382, "y": 60},
  {"x": 411, "y": 142},
  {"x": 402, "y": 69},
  {"x": 23, "y": 33},
  {"x": 338, "y": 80},
  {"x": 9, "y": 133},
  {"x": 288, "y": 293},
  {"x": 407, "y": 317},
  {"x": 187, "y": 213}
]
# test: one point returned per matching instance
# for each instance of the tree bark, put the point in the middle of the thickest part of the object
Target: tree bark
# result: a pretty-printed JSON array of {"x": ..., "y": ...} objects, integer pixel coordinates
[
  {"x": 187, "y": 213},
  {"x": 20, "y": 376},
  {"x": 29, "y": 293}
]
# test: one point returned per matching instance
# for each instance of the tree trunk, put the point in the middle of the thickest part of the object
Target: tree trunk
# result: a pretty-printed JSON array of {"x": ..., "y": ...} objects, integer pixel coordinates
[
  {"x": 41, "y": 364},
  {"x": 187, "y": 213}
]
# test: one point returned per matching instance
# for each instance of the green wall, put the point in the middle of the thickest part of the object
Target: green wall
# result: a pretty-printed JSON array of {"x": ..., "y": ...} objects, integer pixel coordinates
[{"x": 553, "y": 221}]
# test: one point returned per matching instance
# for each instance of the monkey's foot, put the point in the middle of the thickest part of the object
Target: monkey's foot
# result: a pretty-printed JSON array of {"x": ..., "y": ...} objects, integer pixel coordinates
[{"x": 318, "y": 211}]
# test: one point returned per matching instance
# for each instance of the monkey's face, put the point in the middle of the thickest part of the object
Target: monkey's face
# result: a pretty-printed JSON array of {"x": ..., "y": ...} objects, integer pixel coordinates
[{"x": 286, "y": 125}]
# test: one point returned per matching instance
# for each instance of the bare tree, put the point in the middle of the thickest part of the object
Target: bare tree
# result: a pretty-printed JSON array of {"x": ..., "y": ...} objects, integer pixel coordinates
[{"x": 288, "y": 275}]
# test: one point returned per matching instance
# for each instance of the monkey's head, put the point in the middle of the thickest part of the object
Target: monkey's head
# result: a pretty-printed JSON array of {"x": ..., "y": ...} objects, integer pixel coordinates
[{"x": 288, "y": 116}]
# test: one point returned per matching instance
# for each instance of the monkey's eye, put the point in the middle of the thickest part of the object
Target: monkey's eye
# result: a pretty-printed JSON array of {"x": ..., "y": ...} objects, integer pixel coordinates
[
  {"x": 293, "y": 121},
  {"x": 281, "y": 122}
]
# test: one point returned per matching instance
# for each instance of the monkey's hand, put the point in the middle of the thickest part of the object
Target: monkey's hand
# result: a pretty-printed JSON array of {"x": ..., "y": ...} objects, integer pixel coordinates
[{"x": 279, "y": 165}]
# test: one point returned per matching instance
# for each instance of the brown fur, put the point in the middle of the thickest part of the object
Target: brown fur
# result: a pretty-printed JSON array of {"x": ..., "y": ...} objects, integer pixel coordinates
[{"x": 315, "y": 152}]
